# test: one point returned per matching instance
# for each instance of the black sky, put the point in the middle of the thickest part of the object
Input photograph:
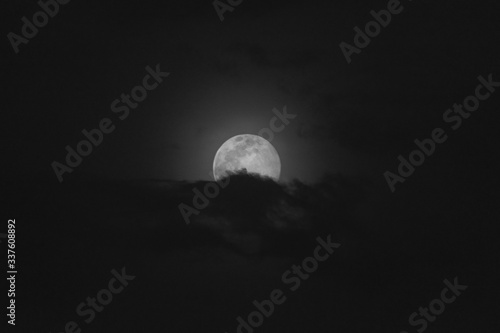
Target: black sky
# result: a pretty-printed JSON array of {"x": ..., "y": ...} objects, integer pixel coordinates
[
  {"x": 352, "y": 122},
  {"x": 226, "y": 78}
]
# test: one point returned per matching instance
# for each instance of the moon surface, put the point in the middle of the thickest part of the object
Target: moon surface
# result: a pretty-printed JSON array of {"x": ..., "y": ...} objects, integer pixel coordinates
[{"x": 250, "y": 152}]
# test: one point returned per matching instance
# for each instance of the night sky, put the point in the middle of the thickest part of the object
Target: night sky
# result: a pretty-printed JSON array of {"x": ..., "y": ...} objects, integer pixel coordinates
[
  {"x": 227, "y": 77},
  {"x": 349, "y": 122}
]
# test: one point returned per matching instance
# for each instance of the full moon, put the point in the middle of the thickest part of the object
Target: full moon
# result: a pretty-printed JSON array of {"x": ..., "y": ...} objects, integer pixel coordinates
[{"x": 250, "y": 152}]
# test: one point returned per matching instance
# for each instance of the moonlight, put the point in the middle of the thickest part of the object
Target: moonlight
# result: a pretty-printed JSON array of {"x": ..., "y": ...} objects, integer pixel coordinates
[{"x": 247, "y": 152}]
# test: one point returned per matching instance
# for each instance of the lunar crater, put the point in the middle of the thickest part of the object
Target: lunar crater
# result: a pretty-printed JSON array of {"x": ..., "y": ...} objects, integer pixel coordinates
[{"x": 247, "y": 152}]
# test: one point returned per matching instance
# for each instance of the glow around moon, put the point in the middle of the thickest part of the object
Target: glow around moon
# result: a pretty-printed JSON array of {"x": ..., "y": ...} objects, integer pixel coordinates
[{"x": 250, "y": 152}]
